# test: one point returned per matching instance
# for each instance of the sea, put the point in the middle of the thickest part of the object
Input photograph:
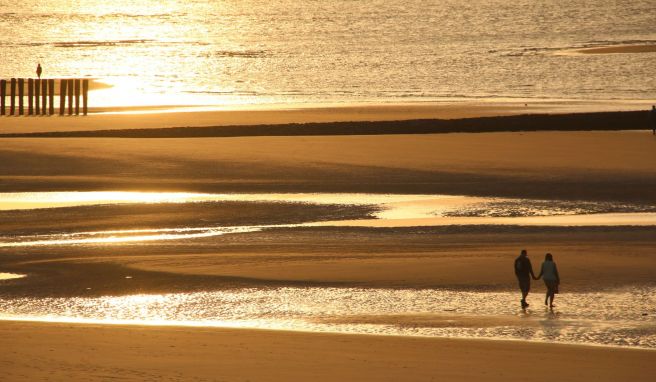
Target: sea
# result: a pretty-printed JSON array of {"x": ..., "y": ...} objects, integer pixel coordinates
[{"x": 252, "y": 52}]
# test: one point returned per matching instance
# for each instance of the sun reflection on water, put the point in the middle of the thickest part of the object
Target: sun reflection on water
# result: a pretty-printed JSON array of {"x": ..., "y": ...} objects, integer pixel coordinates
[
  {"x": 619, "y": 317},
  {"x": 124, "y": 236},
  {"x": 10, "y": 276},
  {"x": 31, "y": 200}
]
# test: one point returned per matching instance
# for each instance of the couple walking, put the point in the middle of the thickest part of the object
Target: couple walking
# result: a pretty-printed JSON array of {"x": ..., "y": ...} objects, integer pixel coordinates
[{"x": 548, "y": 272}]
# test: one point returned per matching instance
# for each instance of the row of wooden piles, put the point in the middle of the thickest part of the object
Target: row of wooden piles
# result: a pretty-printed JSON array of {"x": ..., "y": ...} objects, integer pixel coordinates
[{"x": 40, "y": 96}]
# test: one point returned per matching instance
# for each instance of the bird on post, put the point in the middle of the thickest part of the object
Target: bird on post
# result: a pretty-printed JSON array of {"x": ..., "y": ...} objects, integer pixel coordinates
[{"x": 38, "y": 70}]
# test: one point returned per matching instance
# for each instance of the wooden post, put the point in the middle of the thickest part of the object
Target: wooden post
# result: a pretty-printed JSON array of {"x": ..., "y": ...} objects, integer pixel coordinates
[
  {"x": 51, "y": 95},
  {"x": 85, "y": 95},
  {"x": 44, "y": 95},
  {"x": 62, "y": 96},
  {"x": 30, "y": 96},
  {"x": 70, "y": 96},
  {"x": 77, "y": 96},
  {"x": 3, "y": 93},
  {"x": 37, "y": 96},
  {"x": 12, "y": 98},
  {"x": 21, "y": 95}
]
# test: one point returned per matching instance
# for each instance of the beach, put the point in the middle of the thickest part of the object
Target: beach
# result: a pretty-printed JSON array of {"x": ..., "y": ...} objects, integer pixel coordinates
[
  {"x": 241, "y": 190},
  {"x": 299, "y": 246}
]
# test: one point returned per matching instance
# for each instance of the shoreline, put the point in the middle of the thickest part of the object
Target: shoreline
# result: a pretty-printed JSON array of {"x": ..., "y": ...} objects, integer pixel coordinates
[{"x": 477, "y": 107}]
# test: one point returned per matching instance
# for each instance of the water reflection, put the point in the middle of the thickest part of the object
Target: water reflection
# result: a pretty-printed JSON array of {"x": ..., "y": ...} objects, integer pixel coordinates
[
  {"x": 622, "y": 317},
  {"x": 10, "y": 276},
  {"x": 123, "y": 236},
  {"x": 32, "y": 200}
]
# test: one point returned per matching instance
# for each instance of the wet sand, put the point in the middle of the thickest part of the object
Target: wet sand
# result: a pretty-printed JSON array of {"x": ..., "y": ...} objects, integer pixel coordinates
[
  {"x": 58, "y": 352},
  {"x": 645, "y": 48},
  {"x": 405, "y": 259},
  {"x": 614, "y": 166}
]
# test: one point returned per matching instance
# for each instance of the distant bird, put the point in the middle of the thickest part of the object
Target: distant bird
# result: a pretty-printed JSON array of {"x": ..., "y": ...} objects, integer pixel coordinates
[{"x": 38, "y": 70}]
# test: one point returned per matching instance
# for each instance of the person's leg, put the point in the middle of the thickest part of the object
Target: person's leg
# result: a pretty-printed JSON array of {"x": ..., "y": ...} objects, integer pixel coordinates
[
  {"x": 548, "y": 292},
  {"x": 524, "y": 286},
  {"x": 549, "y": 298}
]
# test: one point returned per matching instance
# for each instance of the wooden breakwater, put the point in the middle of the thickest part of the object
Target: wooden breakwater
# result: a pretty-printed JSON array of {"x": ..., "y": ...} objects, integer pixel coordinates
[{"x": 41, "y": 93}]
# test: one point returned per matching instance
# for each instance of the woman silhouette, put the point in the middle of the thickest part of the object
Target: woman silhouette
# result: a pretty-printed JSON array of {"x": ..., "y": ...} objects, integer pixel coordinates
[
  {"x": 38, "y": 70},
  {"x": 551, "y": 278}
]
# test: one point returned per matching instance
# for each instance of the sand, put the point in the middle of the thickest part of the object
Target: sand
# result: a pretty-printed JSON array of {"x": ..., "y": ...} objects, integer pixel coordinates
[
  {"x": 66, "y": 352},
  {"x": 576, "y": 165}
]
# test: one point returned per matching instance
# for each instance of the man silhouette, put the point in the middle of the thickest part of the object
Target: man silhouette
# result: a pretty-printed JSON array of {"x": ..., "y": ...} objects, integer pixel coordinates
[
  {"x": 38, "y": 70},
  {"x": 524, "y": 272}
]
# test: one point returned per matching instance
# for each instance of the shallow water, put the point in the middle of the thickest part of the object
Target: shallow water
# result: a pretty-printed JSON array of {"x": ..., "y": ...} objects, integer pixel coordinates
[
  {"x": 237, "y": 52},
  {"x": 624, "y": 317},
  {"x": 394, "y": 210}
]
